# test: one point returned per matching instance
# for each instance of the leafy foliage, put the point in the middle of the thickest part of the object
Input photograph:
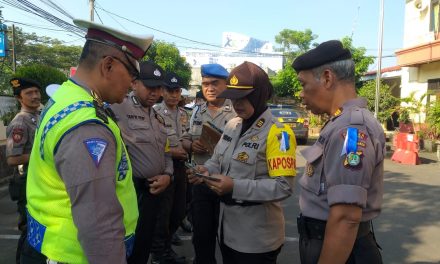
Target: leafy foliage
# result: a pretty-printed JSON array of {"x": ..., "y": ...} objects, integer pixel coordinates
[
  {"x": 43, "y": 74},
  {"x": 168, "y": 57},
  {"x": 361, "y": 61},
  {"x": 433, "y": 118},
  {"x": 294, "y": 43},
  {"x": 387, "y": 102},
  {"x": 286, "y": 83}
]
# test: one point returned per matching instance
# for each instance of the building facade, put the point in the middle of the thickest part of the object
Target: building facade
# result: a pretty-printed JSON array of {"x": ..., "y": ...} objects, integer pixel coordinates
[{"x": 420, "y": 55}]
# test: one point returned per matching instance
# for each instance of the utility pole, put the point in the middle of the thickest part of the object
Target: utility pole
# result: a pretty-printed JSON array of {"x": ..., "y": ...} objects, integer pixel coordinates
[
  {"x": 92, "y": 9},
  {"x": 14, "y": 59},
  {"x": 379, "y": 60}
]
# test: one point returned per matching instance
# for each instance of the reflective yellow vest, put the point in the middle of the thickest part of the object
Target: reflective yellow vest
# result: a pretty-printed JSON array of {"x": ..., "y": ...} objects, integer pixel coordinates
[{"x": 51, "y": 230}]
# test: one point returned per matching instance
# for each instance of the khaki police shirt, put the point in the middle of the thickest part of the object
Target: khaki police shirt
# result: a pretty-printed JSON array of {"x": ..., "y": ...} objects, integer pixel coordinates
[
  {"x": 145, "y": 137},
  {"x": 328, "y": 179},
  {"x": 20, "y": 133},
  {"x": 203, "y": 115},
  {"x": 257, "y": 228},
  {"x": 176, "y": 123}
]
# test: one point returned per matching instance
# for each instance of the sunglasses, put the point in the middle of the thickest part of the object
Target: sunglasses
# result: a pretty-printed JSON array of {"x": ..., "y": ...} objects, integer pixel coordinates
[{"x": 132, "y": 71}]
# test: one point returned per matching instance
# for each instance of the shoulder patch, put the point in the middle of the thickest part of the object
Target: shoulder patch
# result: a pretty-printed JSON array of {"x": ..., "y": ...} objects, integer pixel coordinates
[
  {"x": 96, "y": 148},
  {"x": 17, "y": 134},
  {"x": 280, "y": 152}
]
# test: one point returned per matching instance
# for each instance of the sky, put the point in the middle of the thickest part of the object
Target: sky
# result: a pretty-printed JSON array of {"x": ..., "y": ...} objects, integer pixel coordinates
[{"x": 178, "y": 21}]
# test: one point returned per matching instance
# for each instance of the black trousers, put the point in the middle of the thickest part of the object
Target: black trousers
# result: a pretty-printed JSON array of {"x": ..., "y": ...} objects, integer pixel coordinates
[
  {"x": 149, "y": 208},
  {"x": 29, "y": 255},
  {"x": 172, "y": 209},
  {"x": 231, "y": 256},
  {"x": 311, "y": 238},
  {"x": 205, "y": 212}
]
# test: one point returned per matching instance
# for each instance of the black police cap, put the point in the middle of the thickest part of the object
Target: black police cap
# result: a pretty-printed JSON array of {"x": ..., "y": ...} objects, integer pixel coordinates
[
  {"x": 326, "y": 52},
  {"x": 19, "y": 84}
]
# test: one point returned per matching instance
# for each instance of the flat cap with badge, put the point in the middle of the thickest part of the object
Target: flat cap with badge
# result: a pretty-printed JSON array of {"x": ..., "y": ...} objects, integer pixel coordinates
[
  {"x": 244, "y": 79},
  {"x": 134, "y": 46},
  {"x": 214, "y": 70},
  {"x": 173, "y": 81},
  {"x": 19, "y": 84},
  {"x": 151, "y": 74},
  {"x": 326, "y": 52}
]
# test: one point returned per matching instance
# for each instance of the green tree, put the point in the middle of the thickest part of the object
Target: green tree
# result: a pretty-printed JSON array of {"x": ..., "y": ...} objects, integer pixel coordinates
[
  {"x": 168, "y": 57},
  {"x": 31, "y": 48},
  {"x": 294, "y": 43},
  {"x": 361, "y": 61},
  {"x": 43, "y": 74},
  {"x": 387, "y": 102},
  {"x": 285, "y": 83}
]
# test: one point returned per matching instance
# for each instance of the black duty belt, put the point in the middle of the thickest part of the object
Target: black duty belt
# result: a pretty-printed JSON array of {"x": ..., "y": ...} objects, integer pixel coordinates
[
  {"x": 228, "y": 200},
  {"x": 315, "y": 228}
]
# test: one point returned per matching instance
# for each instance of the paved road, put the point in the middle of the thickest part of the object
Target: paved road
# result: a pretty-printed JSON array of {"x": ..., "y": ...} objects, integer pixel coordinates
[{"x": 408, "y": 229}]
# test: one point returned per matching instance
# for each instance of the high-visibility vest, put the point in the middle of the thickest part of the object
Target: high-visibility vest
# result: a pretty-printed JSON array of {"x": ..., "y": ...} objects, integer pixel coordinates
[{"x": 51, "y": 229}]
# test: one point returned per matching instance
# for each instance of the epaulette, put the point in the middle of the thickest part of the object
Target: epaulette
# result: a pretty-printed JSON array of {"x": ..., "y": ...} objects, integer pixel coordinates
[
  {"x": 158, "y": 116},
  {"x": 356, "y": 117}
]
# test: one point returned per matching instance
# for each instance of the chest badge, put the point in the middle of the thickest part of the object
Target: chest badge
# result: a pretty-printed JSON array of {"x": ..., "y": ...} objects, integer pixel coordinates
[
  {"x": 254, "y": 138},
  {"x": 242, "y": 157},
  {"x": 353, "y": 159},
  {"x": 309, "y": 170}
]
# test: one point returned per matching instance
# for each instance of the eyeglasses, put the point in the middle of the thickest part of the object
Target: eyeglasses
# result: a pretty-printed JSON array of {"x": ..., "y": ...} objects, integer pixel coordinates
[{"x": 130, "y": 68}]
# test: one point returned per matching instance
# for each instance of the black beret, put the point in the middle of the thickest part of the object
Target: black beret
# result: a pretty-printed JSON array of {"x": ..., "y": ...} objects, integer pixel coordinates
[
  {"x": 19, "y": 84},
  {"x": 326, "y": 52}
]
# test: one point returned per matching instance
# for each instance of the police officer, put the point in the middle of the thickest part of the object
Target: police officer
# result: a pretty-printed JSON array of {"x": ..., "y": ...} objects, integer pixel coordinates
[
  {"x": 254, "y": 163},
  {"x": 81, "y": 199},
  {"x": 342, "y": 185},
  {"x": 204, "y": 204},
  {"x": 174, "y": 205},
  {"x": 146, "y": 139},
  {"x": 20, "y": 138}
]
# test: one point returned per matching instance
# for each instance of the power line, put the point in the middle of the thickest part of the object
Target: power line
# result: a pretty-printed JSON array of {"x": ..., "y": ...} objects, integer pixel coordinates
[
  {"x": 99, "y": 6},
  {"x": 35, "y": 26},
  {"x": 184, "y": 38}
]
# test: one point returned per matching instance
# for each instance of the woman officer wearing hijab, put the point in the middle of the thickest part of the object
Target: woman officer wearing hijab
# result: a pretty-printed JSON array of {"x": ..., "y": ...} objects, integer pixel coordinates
[{"x": 254, "y": 165}]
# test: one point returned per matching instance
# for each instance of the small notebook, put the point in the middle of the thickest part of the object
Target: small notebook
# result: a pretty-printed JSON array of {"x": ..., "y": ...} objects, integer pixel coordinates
[{"x": 210, "y": 136}]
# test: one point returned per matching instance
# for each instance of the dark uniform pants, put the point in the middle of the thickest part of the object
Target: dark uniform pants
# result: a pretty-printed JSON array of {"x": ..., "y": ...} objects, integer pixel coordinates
[
  {"x": 205, "y": 210},
  {"x": 311, "y": 237},
  {"x": 17, "y": 192},
  {"x": 149, "y": 207},
  {"x": 231, "y": 256},
  {"x": 172, "y": 209}
]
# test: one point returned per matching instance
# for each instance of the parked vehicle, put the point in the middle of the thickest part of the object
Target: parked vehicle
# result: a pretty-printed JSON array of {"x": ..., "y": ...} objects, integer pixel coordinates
[{"x": 296, "y": 118}]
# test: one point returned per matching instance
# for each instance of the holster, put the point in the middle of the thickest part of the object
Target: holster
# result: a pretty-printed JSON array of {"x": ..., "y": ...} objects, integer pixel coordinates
[{"x": 17, "y": 185}]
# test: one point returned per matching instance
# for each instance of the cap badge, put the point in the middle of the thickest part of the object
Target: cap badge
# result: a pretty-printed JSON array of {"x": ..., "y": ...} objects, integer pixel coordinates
[
  {"x": 174, "y": 80},
  {"x": 234, "y": 80},
  {"x": 157, "y": 73},
  {"x": 15, "y": 83}
]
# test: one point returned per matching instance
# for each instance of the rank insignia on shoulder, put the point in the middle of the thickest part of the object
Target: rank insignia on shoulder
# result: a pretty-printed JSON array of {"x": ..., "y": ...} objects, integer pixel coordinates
[
  {"x": 96, "y": 148},
  {"x": 242, "y": 157},
  {"x": 135, "y": 100},
  {"x": 309, "y": 170},
  {"x": 260, "y": 123}
]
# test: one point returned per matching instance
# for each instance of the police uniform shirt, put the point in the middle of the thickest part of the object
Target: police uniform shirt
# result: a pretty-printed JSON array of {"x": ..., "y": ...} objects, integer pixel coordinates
[
  {"x": 176, "y": 122},
  {"x": 203, "y": 115},
  {"x": 20, "y": 133},
  {"x": 249, "y": 160},
  {"x": 145, "y": 137},
  {"x": 332, "y": 177}
]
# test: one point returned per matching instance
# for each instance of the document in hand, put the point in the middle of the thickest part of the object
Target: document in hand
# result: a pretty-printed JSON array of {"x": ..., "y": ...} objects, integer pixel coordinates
[{"x": 210, "y": 136}]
